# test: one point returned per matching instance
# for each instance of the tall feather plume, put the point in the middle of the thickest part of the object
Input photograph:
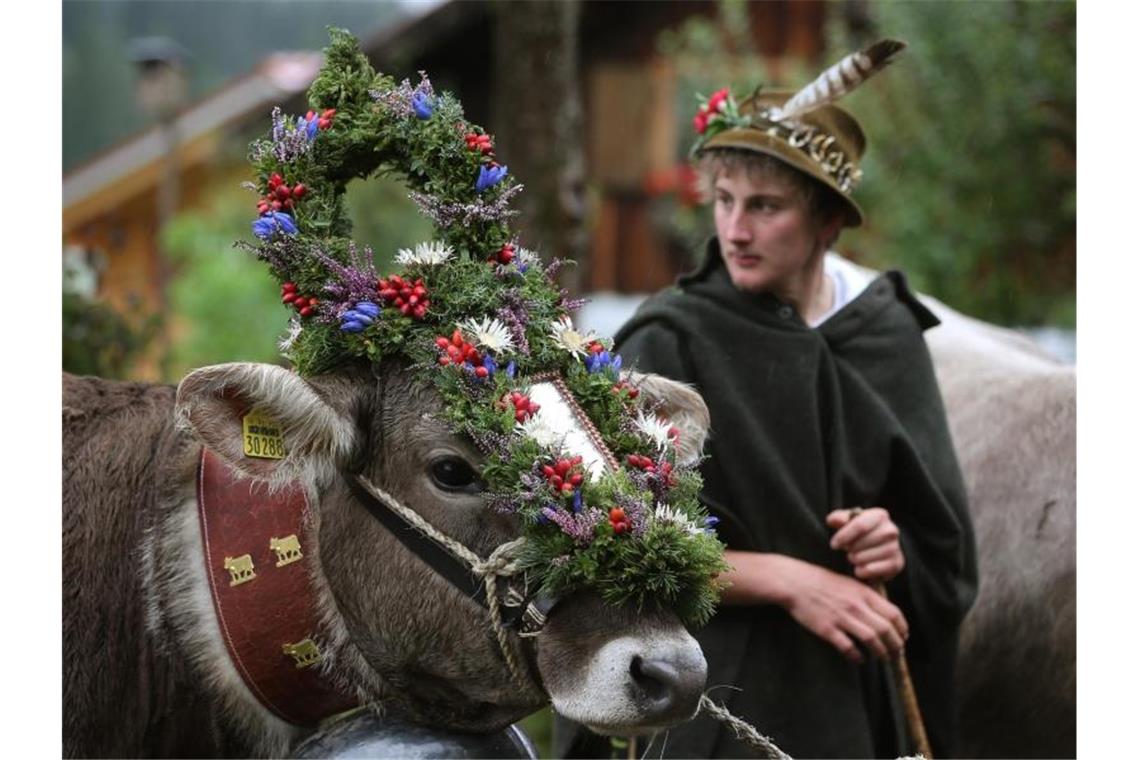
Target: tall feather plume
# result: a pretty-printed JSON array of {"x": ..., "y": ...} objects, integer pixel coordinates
[{"x": 840, "y": 79}]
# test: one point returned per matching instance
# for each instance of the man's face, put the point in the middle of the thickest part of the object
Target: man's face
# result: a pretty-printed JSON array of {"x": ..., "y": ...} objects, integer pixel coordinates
[{"x": 767, "y": 233}]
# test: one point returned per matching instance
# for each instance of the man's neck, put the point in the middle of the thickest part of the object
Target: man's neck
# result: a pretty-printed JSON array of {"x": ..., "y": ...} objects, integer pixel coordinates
[{"x": 812, "y": 293}]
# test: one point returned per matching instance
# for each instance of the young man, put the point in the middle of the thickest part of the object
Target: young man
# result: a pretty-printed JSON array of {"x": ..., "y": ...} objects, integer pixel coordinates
[{"x": 830, "y": 462}]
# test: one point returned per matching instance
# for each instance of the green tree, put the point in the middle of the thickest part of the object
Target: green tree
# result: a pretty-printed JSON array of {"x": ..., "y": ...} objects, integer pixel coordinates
[{"x": 971, "y": 174}]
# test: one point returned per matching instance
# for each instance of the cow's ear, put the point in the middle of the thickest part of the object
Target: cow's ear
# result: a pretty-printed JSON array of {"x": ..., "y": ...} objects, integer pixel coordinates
[
  {"x": 682, "y": 406},
  {"x": 213, "y": 401}
]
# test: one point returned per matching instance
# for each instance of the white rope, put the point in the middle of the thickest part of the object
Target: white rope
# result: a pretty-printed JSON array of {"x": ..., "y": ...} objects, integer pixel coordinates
[
  {"x": 743, "y": 731},
  {"x": 501, "y": 564}
]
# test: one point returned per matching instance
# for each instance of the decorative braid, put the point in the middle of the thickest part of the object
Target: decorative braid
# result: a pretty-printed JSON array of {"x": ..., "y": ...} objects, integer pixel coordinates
[
  {"x": 501, "y": 563},
  {"x": 743, "y": 731}
]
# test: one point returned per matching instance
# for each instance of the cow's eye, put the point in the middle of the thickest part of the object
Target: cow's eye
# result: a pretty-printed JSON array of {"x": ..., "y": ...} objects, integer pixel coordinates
[{"x": 452, "y": 473}]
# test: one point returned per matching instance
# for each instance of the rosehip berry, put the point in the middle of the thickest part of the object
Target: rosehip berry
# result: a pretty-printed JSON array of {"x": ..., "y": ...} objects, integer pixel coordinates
[
  {"x": 480, "y": 372},
  {"x": 299, "y": 191},
  {"x": 306, "y": 311}
]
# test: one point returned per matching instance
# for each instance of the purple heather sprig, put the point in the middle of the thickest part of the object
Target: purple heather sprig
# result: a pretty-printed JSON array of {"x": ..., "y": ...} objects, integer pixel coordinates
[
  {"x": 354, "y": 281},
  {"x": 581, "y": 526},
  {"x": 446, "y": 214},
  {"x": 401, "y": 100},
  {"x": 515, "y": 314},
  {"x": 287, "y": 141}
]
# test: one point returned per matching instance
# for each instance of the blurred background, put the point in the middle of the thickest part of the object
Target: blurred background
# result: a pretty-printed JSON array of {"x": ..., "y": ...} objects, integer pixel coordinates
[{"x": 970, "y": 178}]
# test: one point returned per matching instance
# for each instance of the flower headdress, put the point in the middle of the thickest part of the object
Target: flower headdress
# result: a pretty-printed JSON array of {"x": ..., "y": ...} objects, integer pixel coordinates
[{"x": 480, "y": 319}]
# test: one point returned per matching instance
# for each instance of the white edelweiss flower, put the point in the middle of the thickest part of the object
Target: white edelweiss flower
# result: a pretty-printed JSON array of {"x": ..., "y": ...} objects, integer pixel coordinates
[
  {"x": 431, "y": 253},
  {"x": 526, "y": 257},
  {"x": 564, "y": 334},
  {"x": 665, "y": 513},
  {"x": 660, "y": 431},
  {"x": 539, "y": 428},
  {"x": 489, "y": 333}
]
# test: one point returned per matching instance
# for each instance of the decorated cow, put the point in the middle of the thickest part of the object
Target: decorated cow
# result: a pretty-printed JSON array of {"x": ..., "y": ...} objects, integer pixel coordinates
[{"x": 454, "y": 508}]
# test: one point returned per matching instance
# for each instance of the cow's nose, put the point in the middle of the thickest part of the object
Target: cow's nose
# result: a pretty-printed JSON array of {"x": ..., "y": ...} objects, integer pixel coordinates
[{"x": 667, "y": 694}]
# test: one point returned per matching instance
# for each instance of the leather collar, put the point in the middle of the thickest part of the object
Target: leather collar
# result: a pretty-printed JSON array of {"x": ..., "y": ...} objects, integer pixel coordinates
[{"x": 258, "y": 552}]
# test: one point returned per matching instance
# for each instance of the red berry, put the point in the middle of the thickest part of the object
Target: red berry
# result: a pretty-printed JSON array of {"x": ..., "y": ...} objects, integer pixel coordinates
[
  {"x": 275, "y": 179},
  {"x": 288, "y": 298},
  {"x": 619, "y": 527},
  {"x": 288, "y": 203},
  {"x": 276, "y": 205},
  {"x": 443, "y": 360},
  {"x": 329, "y": 113},
  {"x": 633, "y": 392},
  {"x": 616, "y": 514},
  {"x": 306, "y": 311},
  {"x": 313, "y": 302},
  {"x": 419, "y": 311},
  {"x": 405, "y": 309},
  {"x": 548, "y": 471},
  {"x": 281, "y": 192},
  {"x": 299, "y": 190},
  {"x": 576, "y": 479},
  {"x": 567, "y": 488},
  {"x": 480, "y": 372},
  {"x": 556, "y": 481},
  {"x": 562, "y": 467},
  {"x": 442, "y": 342},
  {"x": 323, "y": 123}
]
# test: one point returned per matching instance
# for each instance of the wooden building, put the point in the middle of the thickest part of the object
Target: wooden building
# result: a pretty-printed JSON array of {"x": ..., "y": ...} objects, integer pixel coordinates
[{"x": 627, "y": 132}]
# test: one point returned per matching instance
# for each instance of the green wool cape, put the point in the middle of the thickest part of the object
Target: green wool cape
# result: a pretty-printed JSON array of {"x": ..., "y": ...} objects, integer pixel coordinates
[{"x": 805, "y": 421}]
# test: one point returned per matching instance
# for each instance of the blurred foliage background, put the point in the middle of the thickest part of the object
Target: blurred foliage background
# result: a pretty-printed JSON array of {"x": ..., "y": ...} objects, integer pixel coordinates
[{"x": 970, "y": 176}]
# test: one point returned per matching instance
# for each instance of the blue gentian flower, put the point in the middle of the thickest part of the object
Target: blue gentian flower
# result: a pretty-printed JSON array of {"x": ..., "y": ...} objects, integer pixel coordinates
[
  {"x": 577, "y": 507},
  {"x": 274, "y": 221},
  {"x": 352, "y": 326},
  {"x": 422, "y": 104},
  {"x": 710, "y": 524},
  {"x": 312, "y": 127},
  {"x": 369, "y": 308},
  {"x": 489, "y": 176},
  {"x": 490, "y": 364},
  {"x": 511, "y": 369}
]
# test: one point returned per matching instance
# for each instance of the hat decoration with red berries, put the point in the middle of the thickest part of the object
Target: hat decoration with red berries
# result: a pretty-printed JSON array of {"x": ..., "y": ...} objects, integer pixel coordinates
[
  {"x": 803, "y": 129},
  {"x": 604, "y": 492}
]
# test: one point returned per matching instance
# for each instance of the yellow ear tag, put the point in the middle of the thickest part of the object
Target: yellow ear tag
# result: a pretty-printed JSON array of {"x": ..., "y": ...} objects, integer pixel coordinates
[{"x": 261, "y": 436}]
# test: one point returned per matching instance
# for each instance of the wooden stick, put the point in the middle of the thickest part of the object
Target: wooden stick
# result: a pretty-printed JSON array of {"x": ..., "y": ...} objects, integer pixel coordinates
[{"x": 901, "y": 672}]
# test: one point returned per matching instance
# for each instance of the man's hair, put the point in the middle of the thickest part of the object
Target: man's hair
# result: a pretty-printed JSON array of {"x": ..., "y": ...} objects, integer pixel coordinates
[{"x": 822, "y": 201}]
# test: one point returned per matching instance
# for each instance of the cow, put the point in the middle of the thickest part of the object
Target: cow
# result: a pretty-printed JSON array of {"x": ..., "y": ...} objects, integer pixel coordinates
[
  {"x": 1012, "y": 415},
  {"x": 145, "y": 667}
]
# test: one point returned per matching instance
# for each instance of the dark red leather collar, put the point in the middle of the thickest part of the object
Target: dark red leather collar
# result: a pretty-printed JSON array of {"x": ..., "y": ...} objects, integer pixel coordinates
[{"x": 257, "y": 551}]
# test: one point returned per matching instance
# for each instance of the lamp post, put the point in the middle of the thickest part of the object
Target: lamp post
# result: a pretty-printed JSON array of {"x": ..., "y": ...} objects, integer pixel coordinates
[{"x": 160, "y": 92}]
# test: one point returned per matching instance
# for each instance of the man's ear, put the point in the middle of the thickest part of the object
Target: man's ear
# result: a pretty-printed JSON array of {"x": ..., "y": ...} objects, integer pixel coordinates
[
  {"x": 682, "y": 406},
  {"x": 212, "y": 401}
]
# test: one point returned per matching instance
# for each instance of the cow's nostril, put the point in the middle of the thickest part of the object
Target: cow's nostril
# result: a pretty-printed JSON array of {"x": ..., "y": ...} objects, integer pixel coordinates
[{"x": 657, "y": 679}]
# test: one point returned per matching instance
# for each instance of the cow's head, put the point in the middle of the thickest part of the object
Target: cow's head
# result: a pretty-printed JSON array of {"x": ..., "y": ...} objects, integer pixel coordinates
[{"x": 409, "y": 637}]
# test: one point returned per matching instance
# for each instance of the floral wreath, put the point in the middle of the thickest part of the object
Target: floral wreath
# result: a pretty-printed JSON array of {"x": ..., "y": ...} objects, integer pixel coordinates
[{"x": 480, "y": 318}]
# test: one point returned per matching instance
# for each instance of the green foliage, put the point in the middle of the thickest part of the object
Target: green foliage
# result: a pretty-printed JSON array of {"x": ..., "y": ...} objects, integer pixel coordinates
[
  {"x": 223, "y": 307},
  {"x": 970, "y": 175},
  {"x": 98, "y": 340}
]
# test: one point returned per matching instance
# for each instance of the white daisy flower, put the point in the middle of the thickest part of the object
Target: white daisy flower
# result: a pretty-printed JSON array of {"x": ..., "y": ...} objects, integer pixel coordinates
[
  {"x": 431, "y": 253},
  {"x": 489, "y": 333},
  {"x": 564, "y": 334},
  {"x": 660, "y": 431},
  {"x": 539, "y": 428},
  {"x": 668, "y": 514}
]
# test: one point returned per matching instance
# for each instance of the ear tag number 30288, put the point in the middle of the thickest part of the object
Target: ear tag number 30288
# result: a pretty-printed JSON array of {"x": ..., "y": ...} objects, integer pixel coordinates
[{"x": 261, "y": 436}]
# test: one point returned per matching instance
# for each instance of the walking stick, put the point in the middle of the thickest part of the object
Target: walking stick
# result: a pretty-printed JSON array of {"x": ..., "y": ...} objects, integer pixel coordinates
[{"x": 901, "y": 673}]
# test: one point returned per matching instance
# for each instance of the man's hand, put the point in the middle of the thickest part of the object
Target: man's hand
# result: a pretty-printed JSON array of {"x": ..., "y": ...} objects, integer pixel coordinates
[
  {"x": 842, "y": 611},
  {"x": 871, "y": 540}
]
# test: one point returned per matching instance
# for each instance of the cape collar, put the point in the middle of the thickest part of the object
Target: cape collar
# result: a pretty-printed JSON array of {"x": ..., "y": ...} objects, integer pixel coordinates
[{"x": 258, "y": 550}]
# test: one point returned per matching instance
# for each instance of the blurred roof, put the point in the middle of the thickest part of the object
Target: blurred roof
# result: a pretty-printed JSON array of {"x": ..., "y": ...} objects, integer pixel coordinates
[{"x": 121, "y": 170}]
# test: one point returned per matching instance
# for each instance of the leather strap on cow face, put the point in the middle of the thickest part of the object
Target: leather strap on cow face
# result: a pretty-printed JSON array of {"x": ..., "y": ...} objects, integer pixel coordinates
[
  {"x": 258, "y": 550},
  {"x": 526, "y": 609}
]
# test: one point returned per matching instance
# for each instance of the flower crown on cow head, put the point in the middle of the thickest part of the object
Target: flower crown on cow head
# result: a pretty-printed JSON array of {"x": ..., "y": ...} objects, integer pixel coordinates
[{"x": 480, "y": 318}]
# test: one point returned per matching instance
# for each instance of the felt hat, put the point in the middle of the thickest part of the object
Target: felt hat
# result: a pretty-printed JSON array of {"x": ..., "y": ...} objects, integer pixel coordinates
[{"x": 803, "y": 129}]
